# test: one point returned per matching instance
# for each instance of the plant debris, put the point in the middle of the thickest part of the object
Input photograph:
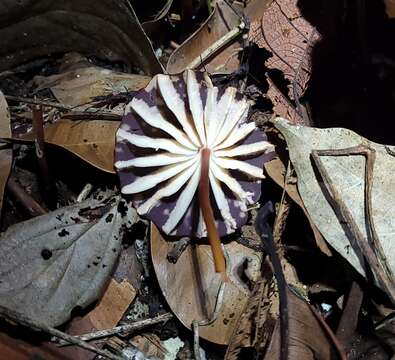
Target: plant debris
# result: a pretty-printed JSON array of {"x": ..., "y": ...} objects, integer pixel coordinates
[{"x": 154, "y": 205}]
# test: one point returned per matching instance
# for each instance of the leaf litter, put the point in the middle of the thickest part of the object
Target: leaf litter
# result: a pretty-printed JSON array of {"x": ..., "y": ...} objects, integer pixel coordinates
[{"x": 325, "y": 286}]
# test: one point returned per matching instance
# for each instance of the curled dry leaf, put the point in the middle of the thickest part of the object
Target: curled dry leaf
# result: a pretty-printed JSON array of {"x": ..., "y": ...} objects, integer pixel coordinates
[
  {"x": 55, "y": 262},
  {"x": 226, "y": 60},
  {"x": 190, "y": 286},
  {"x": 5, "y": 154},
  {"x": 77, "y": 87},
  {"x": 347, "y": 174},
  {"x": 91, "y": 140},
  {"x": 108, "y": 29}
]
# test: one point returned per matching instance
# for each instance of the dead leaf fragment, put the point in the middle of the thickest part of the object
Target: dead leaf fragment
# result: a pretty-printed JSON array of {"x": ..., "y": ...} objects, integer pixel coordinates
[
  {"x": 190, "y": 286},
  {"x": 55, "y": 262},
  {"x": 347, "y": 174},
  {"x": 222, "y": 20},
  {"x": 290, "y": 38},
  {"x": 308, "y": 340},
  {"x": 78, "y": 86},
  {"x": 93, "y": 141},
  {"x": 113, "y": 304}
]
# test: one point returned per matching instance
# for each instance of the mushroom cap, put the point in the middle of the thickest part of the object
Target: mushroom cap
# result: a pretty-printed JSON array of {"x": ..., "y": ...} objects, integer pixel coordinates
[{"x": 175, "y": 116}]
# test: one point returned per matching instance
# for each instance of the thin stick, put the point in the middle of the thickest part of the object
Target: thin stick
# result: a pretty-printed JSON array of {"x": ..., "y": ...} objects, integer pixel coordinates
[
  {"x": 31, "y": 205},
  {"x": 208, "y": 215},
  {"x": 226, "y": 39},
  {"x": 25, "y": 321},
  {"x": 371, "y": 250},
  {"x": 264, "y": 230},
  {"x": 122, "y": 329},
  {"x": 37, "y": 102},
  {"x": 49, "y": 190}
]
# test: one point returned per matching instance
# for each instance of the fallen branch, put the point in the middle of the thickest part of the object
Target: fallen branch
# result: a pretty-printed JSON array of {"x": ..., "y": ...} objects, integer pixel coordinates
[
  {"x": 122, "y": 329},
  {"x": 37, "y": 102}
]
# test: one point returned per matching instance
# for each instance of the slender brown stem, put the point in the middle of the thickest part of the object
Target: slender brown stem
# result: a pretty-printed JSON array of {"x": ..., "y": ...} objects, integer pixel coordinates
[
  {"x": 48, "y": 187},
  {"x": 208, "y": 215}
]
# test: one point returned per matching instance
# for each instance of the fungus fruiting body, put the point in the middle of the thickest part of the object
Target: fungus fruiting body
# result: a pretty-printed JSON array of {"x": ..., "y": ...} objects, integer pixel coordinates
[{"x": 190, "y": 158}]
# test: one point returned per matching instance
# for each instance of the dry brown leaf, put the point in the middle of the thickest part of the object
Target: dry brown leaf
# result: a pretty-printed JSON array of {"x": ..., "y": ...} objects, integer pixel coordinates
[
  {"x": 113, "y": 304},
  {"x": 79, "y": 85},
  {"x": 308, "y": 339},
  {"x": 257, "y": 320},
  {"x": 149, "y": 344},
  {"x": 290, "y": 38},
  {"x": 93, "y": 141},
  {"x": 190, "y": 286},
  {"x": 221, "y": 21},
  {"x": 108, "y": 29}
]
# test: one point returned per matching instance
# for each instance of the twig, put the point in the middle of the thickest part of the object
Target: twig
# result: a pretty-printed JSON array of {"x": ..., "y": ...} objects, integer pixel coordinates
[
  {"x": 372, "y": 249},
  {"x": 49, "y": 190},
  {"x": 31, "y": 205},
  {"x": 83, "y": 195},
  {"x": 283, "y": 209},
  {"x": 122, "y": 329},
  {"x": 37, "y": 102},
  {"x": 91, "y": 115},
  {"x": 25, "y": 321},
  {"x": 226, "y": 39},
  {"x": 264, "y": 230}
]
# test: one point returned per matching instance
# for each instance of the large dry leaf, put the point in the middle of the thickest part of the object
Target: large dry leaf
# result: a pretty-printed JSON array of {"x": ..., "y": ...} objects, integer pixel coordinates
[
  {"x": 79, "y": 85},
  {"x": 347, "y": 174},
  {"x": 190, "y": 285},
  {"x": 5, "y": 154},
  {"x": 55, "y": 262},
  {"x": 308, "y": 338},
  {"x": 222, "y": 20},
  {"x": 93, "y": 140},
  {"x": 108, "y": 29},
  {"x": 289, "y": 37}
]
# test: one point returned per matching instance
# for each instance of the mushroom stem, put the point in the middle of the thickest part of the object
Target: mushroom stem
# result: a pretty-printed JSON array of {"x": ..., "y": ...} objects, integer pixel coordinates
[{"x": 208, "y": 215}]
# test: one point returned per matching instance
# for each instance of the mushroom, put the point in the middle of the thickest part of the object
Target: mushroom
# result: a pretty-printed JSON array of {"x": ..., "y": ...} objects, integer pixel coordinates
[{"x": 189, "y": 157}]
